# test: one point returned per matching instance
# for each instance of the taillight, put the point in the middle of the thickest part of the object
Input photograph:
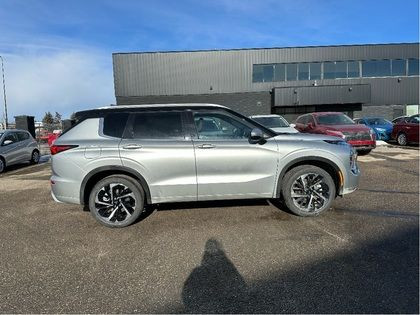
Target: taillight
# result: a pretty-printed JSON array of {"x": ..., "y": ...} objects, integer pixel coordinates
[{"x": 61, "y": 148}]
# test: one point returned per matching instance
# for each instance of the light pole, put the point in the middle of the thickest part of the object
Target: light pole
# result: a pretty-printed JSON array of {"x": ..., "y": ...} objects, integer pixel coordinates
[{"x": 4, "y": 94}]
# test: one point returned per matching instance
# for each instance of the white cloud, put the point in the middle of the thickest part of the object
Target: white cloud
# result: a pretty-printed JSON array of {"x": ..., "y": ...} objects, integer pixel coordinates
[{"x": 60, "y": 80}]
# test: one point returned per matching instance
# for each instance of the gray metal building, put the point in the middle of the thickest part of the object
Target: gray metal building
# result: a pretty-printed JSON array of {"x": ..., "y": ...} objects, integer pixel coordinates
[{"x": 360, "y": 80}]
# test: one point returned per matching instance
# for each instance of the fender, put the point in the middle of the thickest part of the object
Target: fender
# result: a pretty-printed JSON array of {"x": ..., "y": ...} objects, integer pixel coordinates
[
  {"x": 117, "y": 168},
  {"x": 307, "y": 159}
]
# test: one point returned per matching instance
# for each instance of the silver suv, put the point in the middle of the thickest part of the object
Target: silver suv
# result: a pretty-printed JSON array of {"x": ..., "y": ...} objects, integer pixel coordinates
[
  {"x": 117, "y": 159},
  {"x": 17, "y": 146}
]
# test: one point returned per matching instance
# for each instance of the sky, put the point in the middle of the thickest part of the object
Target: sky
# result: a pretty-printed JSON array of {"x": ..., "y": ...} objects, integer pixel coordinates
[{"x": 58, "y": 54}]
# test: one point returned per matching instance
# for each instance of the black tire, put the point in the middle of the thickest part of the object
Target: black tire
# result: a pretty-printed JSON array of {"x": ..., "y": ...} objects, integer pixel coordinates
[
  {"x": 364, "y": 152},
  {"x": 114, "y": 212},
  {"x": 326, "y": 188},
  {"x": 2, "y": 165},
  {"x": 402, "y": 139},
  {"x": 35, "y": 157}
]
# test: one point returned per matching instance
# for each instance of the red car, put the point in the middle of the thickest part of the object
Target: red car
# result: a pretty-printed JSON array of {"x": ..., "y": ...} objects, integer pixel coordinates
[
  {"x": 337, "y": 124},
  {"x": 406, "y": 130}
]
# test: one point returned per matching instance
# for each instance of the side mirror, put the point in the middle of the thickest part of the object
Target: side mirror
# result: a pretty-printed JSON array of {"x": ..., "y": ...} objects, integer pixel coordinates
[
  {"x": 256, "y": 136},
  {"x": 7, "y": 142},
  {"x": 293, "y": 125}
]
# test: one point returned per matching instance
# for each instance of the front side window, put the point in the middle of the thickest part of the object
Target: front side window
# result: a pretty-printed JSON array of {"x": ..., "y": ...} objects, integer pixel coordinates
[
  {"x": 22, "y": 136},
  {"x": 216, "y": 125},
  {"x": 414, "y": 120},
  {"x": 157, "y": 125},
  {"x": 335, "y": 119},
  {"x": 378, "y": 121},
  {"x": 10, "y": 136}
]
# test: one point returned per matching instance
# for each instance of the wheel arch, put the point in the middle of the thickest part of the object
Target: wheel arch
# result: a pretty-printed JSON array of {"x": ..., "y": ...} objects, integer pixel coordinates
[
  {"x": 101, "y": 172},
  {"x": 324, "y": 163}
]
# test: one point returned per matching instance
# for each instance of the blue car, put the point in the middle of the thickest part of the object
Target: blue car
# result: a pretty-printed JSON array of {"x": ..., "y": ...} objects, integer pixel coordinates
[{"x": 381, "y": 126}]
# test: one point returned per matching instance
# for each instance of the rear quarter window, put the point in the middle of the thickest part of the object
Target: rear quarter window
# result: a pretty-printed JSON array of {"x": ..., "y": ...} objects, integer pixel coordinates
[{"x": 114, "y": 124}]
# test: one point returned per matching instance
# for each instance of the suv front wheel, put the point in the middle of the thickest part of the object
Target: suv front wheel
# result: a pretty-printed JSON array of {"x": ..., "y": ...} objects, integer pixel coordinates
[
  {"x": 116, "y": 201},
  {"x": 308, "y": 190}
]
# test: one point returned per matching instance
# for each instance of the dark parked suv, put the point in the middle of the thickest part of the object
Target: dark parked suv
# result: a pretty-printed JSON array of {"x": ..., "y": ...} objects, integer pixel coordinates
[{"x": 118, "y": 159}]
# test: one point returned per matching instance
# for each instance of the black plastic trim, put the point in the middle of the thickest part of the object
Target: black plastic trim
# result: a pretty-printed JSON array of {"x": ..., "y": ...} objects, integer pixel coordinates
[
  {"x": 98, "y": 170},
  {"x": 299, "y": 161}
]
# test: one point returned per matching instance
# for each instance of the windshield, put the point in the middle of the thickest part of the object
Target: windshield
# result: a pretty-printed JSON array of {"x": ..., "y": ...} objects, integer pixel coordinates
[
  {"x": 377, "y": 121},
  {"x": 335, "y": 119},
  {"x": 272, "y": 122}
]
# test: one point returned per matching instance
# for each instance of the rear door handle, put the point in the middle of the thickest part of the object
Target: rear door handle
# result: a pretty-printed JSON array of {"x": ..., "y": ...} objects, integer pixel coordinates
[
  {"x": 132, "y": 146},
  {"x": 206, "y": 146}
]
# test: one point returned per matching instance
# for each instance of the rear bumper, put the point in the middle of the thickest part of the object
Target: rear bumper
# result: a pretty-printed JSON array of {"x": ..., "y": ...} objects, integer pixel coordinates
[{"x": 64, "y": 191}]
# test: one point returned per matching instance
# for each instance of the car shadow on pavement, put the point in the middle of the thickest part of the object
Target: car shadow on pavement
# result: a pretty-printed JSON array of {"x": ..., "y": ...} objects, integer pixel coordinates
[{"x": 375, "y": 277}]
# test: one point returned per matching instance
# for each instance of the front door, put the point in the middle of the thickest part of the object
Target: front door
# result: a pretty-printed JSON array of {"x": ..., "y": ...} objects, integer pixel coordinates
[
  {"x": 156, "y": 146},
  {"x": 228, "y": 165}
]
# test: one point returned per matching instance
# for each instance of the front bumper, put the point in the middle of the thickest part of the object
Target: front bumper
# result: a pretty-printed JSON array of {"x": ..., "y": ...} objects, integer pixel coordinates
[
  {"x": 363, "y": 144},
  {"x": 351, "y": 181}
]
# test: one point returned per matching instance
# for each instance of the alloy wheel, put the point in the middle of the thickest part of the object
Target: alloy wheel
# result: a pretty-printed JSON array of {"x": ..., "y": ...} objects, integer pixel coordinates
[
  {"x": 402, "y": 139},
  {"x": 115, "y": 203},
  {"x": 35, "y": 157},
  {"x": 310, "y": 192}
]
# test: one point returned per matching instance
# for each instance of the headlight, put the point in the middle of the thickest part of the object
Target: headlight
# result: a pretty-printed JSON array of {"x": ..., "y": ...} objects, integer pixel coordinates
[
  {"x": 336, "y": 133},
  {"x": 353, "y": 159},
  {"x": 381, "y": 129}
]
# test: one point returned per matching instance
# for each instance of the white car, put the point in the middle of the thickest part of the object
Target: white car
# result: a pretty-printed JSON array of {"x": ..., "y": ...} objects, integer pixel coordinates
[{"x": 275, "y": 122}]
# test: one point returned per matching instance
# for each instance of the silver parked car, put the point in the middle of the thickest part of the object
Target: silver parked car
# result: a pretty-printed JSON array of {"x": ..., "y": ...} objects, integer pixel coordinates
[
  {"x": 276, "y": 123},
  {"x": 17, "y": 146},
  {"x": 117, "y": 159}
]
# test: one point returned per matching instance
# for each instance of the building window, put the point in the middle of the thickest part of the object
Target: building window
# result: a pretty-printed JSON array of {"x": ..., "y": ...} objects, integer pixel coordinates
[
  {"x": 303, "y": 73},
  {"x": 329, "y": 70},
  {"x": 268, "y": 73},
  {"x": 340, "y": 69},
  {"x": 413, "y": 67},
  {"x": 291, "y": 71},
  {"x": 353, "y": 69},
  {"x": 257, "y": 73},
  {"x": 398, "y": 67},
  {"x": 315, "y": 71},
  {"x": 279, "y": 72},
  {"x": 376, "y": 68}
]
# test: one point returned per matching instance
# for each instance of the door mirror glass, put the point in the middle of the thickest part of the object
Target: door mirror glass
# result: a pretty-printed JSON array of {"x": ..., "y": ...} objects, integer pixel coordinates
[
  {"x": 7, "y": 142},
  {"x": 256, "y": 135}
]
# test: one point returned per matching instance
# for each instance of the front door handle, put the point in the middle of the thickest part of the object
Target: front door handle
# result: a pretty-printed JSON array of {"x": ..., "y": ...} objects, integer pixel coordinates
[
  {"x": 132, "y": 146},
  {"x": 206, "y": 146}
]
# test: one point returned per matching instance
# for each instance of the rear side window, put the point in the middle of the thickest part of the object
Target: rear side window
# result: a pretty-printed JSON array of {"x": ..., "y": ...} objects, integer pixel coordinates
[
  {"x": 114, "y": 124},
  {"x": 157, "y": 125},
  {"x": 22, "y": 136}
]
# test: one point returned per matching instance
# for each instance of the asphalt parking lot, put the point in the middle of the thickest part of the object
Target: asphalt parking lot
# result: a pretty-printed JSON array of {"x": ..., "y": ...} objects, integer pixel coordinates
[{"x": 361, "y": 256}]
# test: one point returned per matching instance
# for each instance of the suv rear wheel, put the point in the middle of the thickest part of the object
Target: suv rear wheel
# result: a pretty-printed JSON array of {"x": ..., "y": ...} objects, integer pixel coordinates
[
  {"x": 116, "y": 201},
  {"x": 308, "y": 190}
]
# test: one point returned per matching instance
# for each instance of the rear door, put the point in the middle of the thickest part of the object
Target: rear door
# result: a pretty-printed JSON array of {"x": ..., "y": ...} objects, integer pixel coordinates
[
  {"x": 156, "y": 146},
  {"x": 228, "y": 165}
]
